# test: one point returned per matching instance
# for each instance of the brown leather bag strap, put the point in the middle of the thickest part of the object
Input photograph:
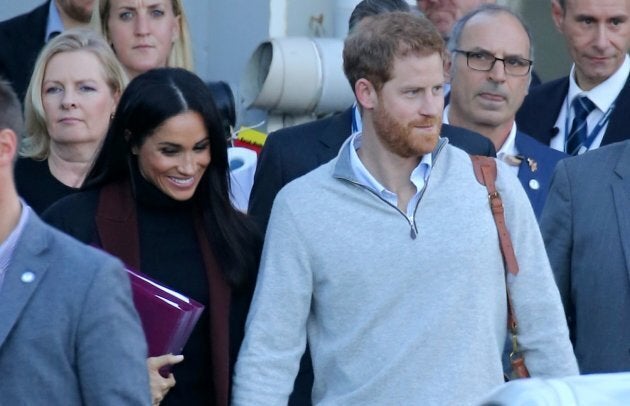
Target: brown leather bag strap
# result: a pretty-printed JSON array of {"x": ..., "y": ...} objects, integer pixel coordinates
[
  {"x": 485, "y": 169},
  {"x": 486, "y": 172}
]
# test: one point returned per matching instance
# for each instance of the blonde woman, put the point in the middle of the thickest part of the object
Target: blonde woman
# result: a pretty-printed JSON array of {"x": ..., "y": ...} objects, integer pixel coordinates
[
  {"x": 71, "y": 98},
  {"x": 145, "y": 34}
]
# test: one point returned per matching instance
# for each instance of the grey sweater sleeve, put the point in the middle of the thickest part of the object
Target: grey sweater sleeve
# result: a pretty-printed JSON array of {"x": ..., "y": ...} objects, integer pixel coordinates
[
  {"x": 542, "y": 332},
  {"x": 275, "y": 335}
]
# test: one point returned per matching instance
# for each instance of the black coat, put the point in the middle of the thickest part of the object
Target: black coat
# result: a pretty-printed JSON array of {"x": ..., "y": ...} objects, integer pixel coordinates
[{"x": 21, "y": 39}]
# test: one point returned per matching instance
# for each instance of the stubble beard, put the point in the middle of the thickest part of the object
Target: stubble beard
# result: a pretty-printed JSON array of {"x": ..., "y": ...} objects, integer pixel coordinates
[{"x": 77, "y": 13}]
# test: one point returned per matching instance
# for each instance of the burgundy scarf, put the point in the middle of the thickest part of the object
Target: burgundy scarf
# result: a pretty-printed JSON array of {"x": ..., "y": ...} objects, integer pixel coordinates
[{"x": 117, "y": 227}]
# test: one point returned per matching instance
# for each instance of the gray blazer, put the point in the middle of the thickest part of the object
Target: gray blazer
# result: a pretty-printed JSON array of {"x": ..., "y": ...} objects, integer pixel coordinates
[
  {"x": 69, "y": 334},
  {"x": 586, "y": 228}
]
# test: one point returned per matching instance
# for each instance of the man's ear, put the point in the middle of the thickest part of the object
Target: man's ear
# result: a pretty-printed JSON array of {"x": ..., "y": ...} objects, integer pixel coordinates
[
  {"x": 365, "y": 93},
  {"x": 448, "y": 65},
  {"x": 557, "y": 14},
  {"x": 8, "y": 146}
]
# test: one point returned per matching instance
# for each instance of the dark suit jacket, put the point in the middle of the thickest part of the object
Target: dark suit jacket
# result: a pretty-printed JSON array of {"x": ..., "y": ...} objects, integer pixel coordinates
[
  {"x": 535, "y": 176},
  {"x": 294, "y": 151},
  {"x": 21, "y": 39},
  {"x": 541, "y": 108},
  {"x": 586, "y": 228},
  {"x": 69, "y": 332}
]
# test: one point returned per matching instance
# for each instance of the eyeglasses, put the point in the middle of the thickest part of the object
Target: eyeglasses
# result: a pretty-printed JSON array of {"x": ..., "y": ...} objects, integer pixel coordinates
[{"x": 484, "y": 61}]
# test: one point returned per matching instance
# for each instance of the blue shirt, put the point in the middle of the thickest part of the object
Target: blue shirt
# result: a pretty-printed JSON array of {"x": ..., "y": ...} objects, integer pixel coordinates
[
  {"x": 54, "y": 23},
  {"x": 357, "y": 124},
  {"x": 8, "y": 245},
  {"x": 418, "y": 177}
]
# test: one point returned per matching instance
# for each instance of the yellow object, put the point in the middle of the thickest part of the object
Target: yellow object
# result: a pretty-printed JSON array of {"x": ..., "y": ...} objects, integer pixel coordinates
[{"x": 251, "y": 136}]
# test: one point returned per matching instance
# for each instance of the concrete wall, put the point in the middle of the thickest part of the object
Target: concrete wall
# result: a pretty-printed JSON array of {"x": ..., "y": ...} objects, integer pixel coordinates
[{"x": 552, "y": 58}]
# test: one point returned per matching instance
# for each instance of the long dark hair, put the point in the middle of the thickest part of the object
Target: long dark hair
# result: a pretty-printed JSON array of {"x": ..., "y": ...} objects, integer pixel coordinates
[{"x": 151, "y": 99}]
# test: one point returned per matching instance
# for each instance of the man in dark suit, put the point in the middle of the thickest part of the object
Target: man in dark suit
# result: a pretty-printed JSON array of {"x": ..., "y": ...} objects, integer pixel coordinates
[
  {"x": 22, "y": 37},
  {"x": 491, "y": 63},
  {"x": 586, "y": 228},
  {"x": 598, "y": 39},
  {"x": 69, "y": 332}
]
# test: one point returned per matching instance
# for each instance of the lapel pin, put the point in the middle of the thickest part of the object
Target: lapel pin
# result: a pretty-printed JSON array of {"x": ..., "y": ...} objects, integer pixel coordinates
[
  {"x": 533, "y": 165},
  {"x": 534, "y": 184},
  {"x": 28, "y": 277}
]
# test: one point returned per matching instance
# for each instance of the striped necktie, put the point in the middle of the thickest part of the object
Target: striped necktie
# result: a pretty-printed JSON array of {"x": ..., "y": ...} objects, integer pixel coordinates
[{"x": 582, "y": 106}]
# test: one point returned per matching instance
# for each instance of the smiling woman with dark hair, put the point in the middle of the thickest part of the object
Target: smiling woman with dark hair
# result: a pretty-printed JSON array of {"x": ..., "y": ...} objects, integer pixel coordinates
[{"x": 158, "y": 198}]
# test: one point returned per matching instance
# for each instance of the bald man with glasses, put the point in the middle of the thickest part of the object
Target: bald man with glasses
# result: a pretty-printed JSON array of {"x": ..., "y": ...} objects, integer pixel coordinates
[{"x": 491, "y": 65}]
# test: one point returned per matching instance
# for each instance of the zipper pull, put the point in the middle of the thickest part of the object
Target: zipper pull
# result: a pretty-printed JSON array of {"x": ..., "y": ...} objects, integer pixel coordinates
[{"x": 413, "y": 233}]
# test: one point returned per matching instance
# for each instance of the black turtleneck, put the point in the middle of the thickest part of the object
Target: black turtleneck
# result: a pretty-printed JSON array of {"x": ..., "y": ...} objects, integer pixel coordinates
[
  {"x": 170, "y": 253},
  {"x": 37, "y": 186}
]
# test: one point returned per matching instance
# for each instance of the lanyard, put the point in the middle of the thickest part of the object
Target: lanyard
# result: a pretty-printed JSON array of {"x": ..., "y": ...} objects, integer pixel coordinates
[
  {"x": 593, "y": 134},
  {"x": 356, "y": 119}
]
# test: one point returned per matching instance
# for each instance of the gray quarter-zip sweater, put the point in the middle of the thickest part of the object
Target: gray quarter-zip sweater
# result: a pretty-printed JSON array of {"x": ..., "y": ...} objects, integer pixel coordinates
[{"x": 392, "y": 319}]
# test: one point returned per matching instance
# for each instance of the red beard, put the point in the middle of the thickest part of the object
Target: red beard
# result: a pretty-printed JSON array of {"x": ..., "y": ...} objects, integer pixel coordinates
[{"x": 400, "y": 138}]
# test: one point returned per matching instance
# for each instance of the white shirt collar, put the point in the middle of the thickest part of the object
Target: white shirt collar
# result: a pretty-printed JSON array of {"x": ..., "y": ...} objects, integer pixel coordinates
[
  {"x": 508, "y": 150},
  {"x": 604, "y": 94},
  {"x": 418, "y": 175},
  {"x": 509, "y": 145},
  {"x": 445, "y": 114}
]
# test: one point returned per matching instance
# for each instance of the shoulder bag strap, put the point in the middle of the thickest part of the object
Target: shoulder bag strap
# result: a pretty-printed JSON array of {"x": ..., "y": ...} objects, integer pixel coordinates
[{"x": 485, "y": 169}]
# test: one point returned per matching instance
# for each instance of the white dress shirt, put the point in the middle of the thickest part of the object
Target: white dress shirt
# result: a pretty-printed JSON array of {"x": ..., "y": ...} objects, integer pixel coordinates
[{"x": 602, "y": 95}]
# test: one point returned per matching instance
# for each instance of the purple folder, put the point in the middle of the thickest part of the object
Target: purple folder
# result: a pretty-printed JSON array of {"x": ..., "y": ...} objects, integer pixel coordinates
[{"x": 167, "y": 316}]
